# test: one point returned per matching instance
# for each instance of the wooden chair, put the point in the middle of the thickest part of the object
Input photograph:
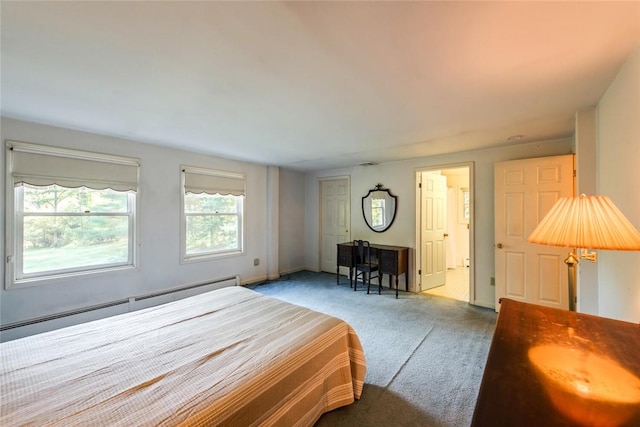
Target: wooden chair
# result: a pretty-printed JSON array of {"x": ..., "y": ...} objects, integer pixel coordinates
[{"x": 364, "y": 265}]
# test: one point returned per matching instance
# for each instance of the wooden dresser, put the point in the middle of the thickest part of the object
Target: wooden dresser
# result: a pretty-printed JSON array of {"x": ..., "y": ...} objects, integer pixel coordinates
[{"x": 551, "y": 367}]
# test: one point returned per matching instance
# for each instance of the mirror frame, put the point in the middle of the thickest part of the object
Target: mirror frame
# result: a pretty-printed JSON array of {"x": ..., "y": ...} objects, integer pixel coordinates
[{"x": 380, "y": 187}]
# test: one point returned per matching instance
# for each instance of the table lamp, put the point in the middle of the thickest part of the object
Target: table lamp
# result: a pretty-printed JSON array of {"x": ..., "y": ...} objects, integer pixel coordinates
[{"x": 585, "y": 222}]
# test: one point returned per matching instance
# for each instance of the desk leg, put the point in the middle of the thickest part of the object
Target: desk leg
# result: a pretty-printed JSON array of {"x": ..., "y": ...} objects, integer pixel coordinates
[{"x": 396, "y": 287}]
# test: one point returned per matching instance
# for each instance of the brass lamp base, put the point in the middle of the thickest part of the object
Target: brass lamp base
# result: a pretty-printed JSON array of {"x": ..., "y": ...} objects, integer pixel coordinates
[{"x": 572, "y": 264}]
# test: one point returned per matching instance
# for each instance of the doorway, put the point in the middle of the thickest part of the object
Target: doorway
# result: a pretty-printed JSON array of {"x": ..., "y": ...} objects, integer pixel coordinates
[{"x": 456, "y": 280}]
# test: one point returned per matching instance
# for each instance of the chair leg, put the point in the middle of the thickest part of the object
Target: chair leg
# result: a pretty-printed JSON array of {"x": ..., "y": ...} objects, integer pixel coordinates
[{"x": 379, "y": 283}]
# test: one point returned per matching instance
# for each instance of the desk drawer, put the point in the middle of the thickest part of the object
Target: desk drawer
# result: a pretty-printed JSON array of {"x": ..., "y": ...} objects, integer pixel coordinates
[
  {"x": 388, "y": 261},
  {"x": 344, "y": 255}
]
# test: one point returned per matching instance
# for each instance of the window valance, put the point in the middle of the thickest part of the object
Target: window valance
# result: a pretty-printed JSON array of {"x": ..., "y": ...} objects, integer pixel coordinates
[
  {"x": 43, "y": 165},
  {"x": 198, "y": 180}
]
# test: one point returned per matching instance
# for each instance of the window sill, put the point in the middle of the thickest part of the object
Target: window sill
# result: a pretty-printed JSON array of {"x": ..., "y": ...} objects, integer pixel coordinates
[{"x": 62, "y": 277}]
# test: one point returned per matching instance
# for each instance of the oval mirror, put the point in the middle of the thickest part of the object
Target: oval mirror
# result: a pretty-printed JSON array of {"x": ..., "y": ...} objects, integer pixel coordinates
[{"x": 379, "y": 208}]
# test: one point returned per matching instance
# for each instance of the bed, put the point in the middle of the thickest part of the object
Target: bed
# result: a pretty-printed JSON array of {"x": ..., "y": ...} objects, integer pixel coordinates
[{"x": 230, "y": 357}]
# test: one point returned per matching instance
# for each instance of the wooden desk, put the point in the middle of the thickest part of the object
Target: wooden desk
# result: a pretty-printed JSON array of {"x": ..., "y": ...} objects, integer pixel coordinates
[
  {"x": 514, "y": 392},
  {"x": 392, "y": 260}
]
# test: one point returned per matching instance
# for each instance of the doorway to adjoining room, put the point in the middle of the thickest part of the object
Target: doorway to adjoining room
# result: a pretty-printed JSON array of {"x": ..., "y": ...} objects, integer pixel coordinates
[{"x": 443, "y": 232}]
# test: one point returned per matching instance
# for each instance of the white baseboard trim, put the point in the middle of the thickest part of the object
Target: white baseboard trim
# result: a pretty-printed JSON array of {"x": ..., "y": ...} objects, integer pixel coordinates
[
  {"x": 292, "y": 270},
  {"x": 253, "y": 280}
]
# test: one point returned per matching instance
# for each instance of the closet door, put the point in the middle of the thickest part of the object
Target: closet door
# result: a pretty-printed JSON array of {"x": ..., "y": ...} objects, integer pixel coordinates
[{"x": 335, "y": 215}]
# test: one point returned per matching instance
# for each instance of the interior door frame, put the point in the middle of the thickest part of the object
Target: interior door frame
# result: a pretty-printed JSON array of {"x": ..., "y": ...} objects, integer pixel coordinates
[{"x": 418, "y": 205}]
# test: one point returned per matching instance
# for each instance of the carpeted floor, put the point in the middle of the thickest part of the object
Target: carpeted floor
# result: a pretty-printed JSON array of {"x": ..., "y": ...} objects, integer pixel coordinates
[{"x": 425, "y": 354}]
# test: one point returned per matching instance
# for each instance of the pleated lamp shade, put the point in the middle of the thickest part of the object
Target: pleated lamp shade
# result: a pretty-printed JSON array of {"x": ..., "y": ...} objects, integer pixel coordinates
[{"x": 586, "y": 222}]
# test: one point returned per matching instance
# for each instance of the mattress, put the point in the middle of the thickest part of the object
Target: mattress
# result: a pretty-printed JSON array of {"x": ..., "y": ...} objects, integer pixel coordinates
[{"x": 230, "y": 357}]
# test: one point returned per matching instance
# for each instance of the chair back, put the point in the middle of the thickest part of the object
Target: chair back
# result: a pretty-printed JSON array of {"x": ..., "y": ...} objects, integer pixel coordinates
[{"x": 362, "y": 252}]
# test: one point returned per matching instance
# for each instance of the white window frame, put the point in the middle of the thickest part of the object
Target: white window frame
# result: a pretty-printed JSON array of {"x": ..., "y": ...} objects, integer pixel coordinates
[
  {"x": 204, "y": 256},
  {"x": 14, "y": 215}
]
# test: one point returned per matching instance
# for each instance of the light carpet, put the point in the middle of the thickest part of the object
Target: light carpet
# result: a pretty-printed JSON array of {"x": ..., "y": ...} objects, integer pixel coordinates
[{"x": 425, "y": 354}]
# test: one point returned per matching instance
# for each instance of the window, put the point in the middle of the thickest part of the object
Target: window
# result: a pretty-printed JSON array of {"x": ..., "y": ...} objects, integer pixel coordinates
[
  {"x": 213, "y": 203},
  {"x": 70, "y": 212},
  {"x": 463, "y": 205}
]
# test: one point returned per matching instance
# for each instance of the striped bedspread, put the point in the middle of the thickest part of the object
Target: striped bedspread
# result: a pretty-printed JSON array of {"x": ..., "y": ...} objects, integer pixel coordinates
[{"x": 230, "y": 357}]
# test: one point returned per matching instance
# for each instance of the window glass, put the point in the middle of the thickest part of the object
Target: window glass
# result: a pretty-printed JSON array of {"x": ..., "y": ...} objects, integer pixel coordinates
[
  {"x": 54, "y": 198},
  {"x": 213, "y": 223},
  {"x": 207, "y": 203},
  {"x": 72, "y": 229}
]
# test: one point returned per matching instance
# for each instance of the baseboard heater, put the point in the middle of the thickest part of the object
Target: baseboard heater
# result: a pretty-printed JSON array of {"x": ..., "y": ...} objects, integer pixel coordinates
[{"x": 134, "y": 303}]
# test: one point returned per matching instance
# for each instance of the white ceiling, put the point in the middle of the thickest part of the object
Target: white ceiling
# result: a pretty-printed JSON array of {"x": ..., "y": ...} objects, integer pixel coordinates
[{"x": 313, "y": 85}]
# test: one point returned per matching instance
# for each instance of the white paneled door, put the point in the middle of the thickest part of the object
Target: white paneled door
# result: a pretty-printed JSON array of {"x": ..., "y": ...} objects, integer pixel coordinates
[
  {"x": 335, "y": 213},
  {"x": 525, "y": 190},
  {"x": 433, "y": 230}
]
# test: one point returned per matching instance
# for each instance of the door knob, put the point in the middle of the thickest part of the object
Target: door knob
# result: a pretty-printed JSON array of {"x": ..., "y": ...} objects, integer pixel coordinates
[
  {"x": 446, "y": 234},
  {"x": 499, "y": 245}
]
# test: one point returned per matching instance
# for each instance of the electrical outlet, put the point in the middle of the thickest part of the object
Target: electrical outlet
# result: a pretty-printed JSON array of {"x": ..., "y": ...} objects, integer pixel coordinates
[
  {"x": 256, "y": 261},
  {"x": 493, "y": 281}
]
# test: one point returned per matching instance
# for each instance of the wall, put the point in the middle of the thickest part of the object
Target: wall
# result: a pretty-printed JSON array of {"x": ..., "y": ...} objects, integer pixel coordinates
[
  {"x": 618, "y": 177},
  {"x": 291, "y": 221},
  {"x": 586, "y": 160},
  {"x": 159, "y": 213},
  {"x": 273, "y": 222},
  {"x": 400, "y": 178}
]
